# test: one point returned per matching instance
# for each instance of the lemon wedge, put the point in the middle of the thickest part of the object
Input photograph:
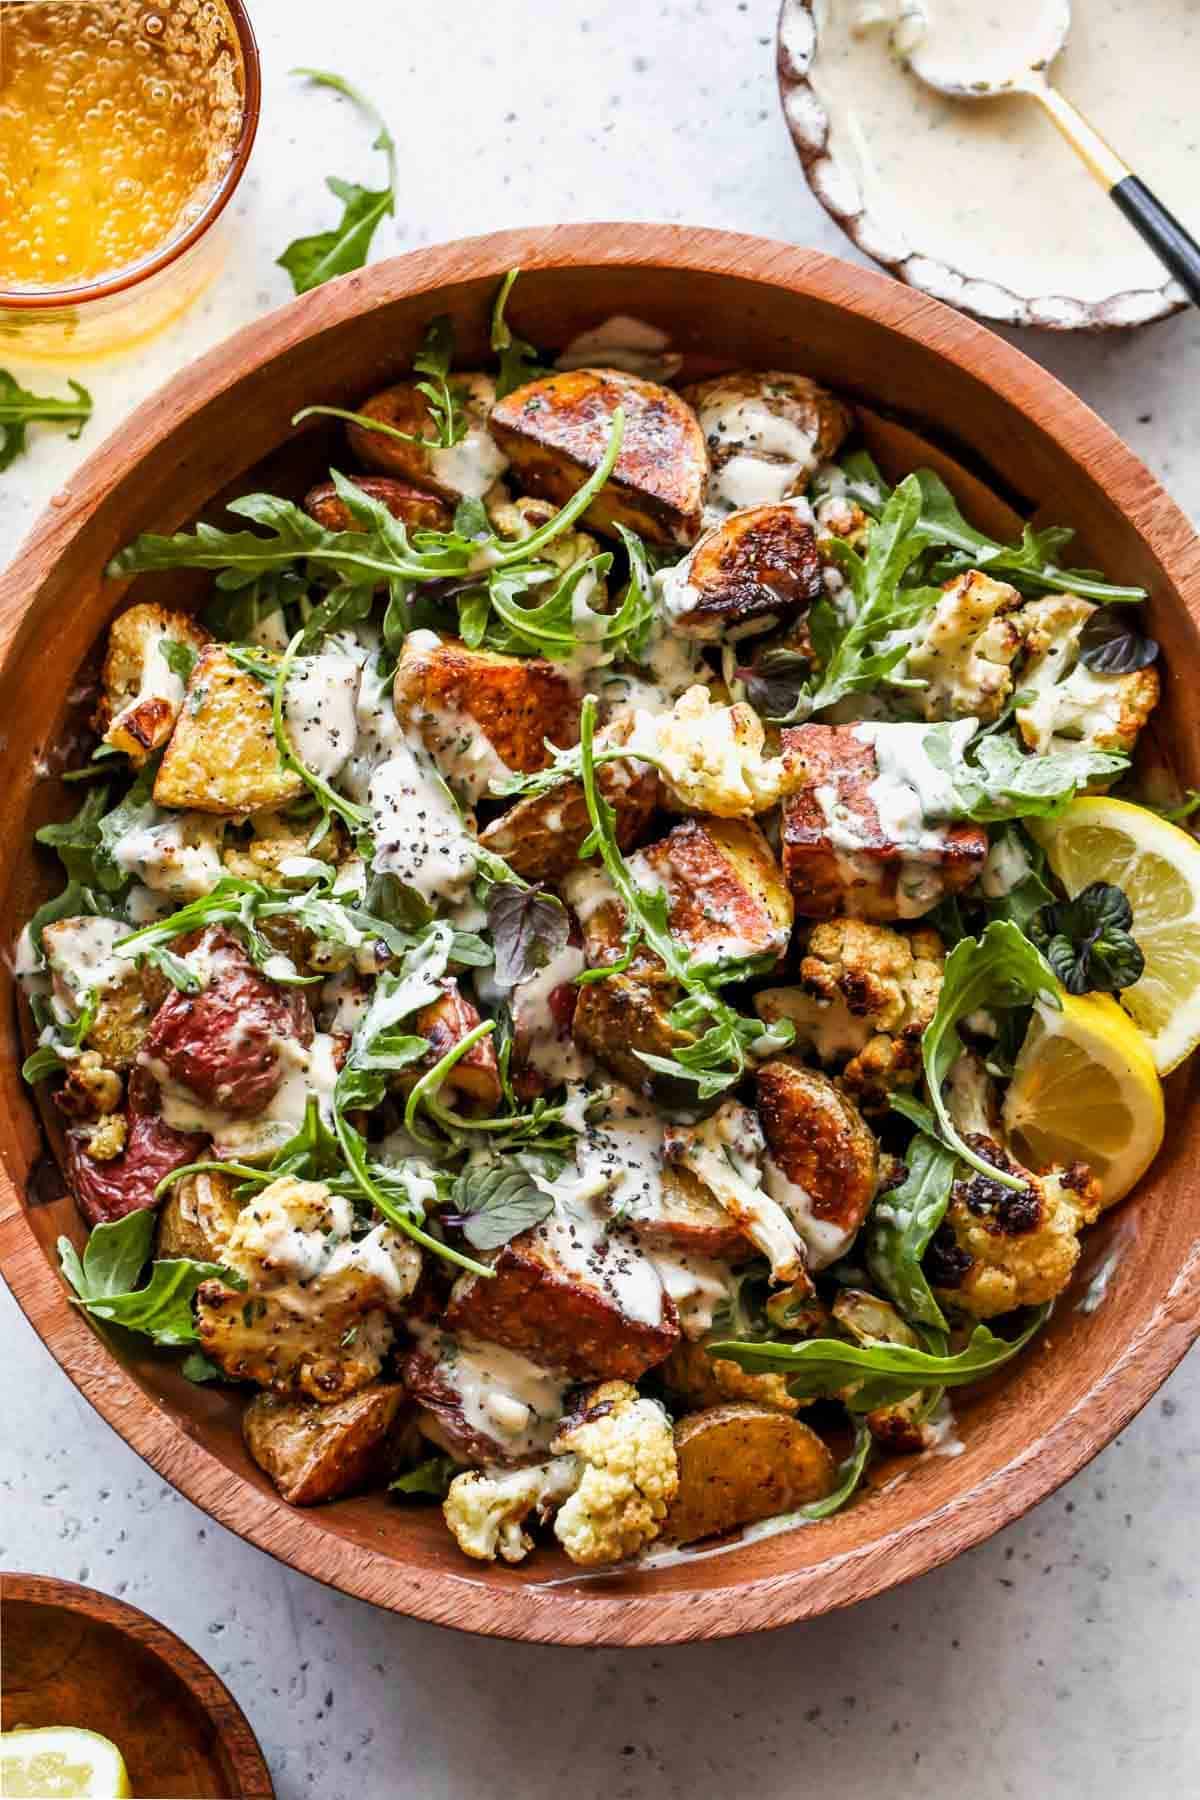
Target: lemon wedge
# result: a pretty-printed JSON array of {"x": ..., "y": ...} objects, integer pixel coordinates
[
  {"x": 1085, "y": 1089},
  {"x": 1158, "y": 868},
  {"x": 61, "y": 1761}
]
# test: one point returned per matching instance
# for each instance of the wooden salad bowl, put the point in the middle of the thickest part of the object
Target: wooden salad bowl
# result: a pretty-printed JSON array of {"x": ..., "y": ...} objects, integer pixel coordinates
[
  {"x": 76, "y": 1657},
  {"x": 935, "y": 388}
]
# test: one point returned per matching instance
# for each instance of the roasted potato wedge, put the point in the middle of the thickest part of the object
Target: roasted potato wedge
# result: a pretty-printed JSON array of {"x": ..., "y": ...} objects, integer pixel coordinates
[
  {"x": 881, "y": 877},
  {"x": 767, "y": 431},
  {"x": 555, "y": 432},
  {"x": 694, "y": 1379},
  {"x": 465, "y": 470},
  {"x": 681, "y": 1214},
  {"x": 623, "y": 1014},
  {"x": 314, "y": 1453},
  {"x": 760, "y": 567},
  {"x": 140, "y": 693},
  {"x": 222, "y": 756},
  {"x": 197, "y": 1217},
  {"x": 481, "y": 714},
  {"x": 741, "y": 1463},
  {"x": 567, "y": 1315},
  {"x": 445, "y": 1023},
  {"x": 825, "y": 1152},
  {"x": 418, "y": 510}
]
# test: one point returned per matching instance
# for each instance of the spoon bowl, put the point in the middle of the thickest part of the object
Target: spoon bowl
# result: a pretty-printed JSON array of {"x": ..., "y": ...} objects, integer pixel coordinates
[{"x": 976, "y": 52}]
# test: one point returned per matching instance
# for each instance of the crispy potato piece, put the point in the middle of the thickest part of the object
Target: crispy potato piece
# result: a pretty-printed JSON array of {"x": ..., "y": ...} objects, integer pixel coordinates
[
  {"x": 759, "y": 567},
  {"x": 565, "y": 1315},
  {"x": 480, "y": 714},
  {"x": 880, "y": 878},
  {"x": 540, "y": 836},
  {"x": 125, "y": 1006},
  {"x": 825, "y": 1152},
  {"x": 418, "y": 510},
  {"x": 767, "y": 430},
  {"x": 481, "y": 1403},
  {"x": 467, "y": 470},
  {"x": 741, "y": 1463},
  {"x": 222, "y": 756},
  {"x": 555, "y": 432},
  {"x": 683, "y": 1215},
  {"x": 694, "y": 1379},
  {"x": 623, "y": 1014},
  {"x": 445, "y": 1023},
  {"x": 197, "y": 1217},
  {"x": 140, "y": 694},
  {"x": 726, "y": 897},
  {"x": 314, "y": 1453}
]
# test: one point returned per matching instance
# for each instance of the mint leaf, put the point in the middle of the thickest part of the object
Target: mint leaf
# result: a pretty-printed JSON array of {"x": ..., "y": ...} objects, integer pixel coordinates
[{"x": 497, "y": 1201}]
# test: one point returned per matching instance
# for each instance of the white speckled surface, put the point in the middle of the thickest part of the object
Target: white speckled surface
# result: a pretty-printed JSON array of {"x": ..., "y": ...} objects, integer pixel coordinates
[{"x": 1057, "y": 1660}]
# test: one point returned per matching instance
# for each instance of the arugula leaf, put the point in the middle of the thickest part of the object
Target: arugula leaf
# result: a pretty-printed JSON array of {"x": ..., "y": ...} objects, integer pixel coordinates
[
  {"x": 528, "y": 926},
  {"x": 77, "y": 843},
  {"x": 57, "y": 1038},
  {"x": 179, "y": 657},
  {"x": 428, "y": 1480},
  {"x": 849, "y": 1476},
  {"x": 997, "y": 780},
  {"x": 113, "y": 1259},
  {"x": 1088, "y": 943},
  {"x": 519, "y": 361},
  {"x": 198, "y": 1368},
  {"x": 313, "y": 260},
  {"x": 1177, "y": 815},
  {"x": 19, "y": 409},
  {"x": 859, "y": 657},
  {"x": 1024, "y": 897},
  {"x": 877, "y": 1374},
  {"x": 902, "y": 1223},
  {"x": 450, "y": 421},
  {"x": 495, "y": 1201},
  {"x": 1000, "y": 970},
  {"x": 275, "y": 676}
]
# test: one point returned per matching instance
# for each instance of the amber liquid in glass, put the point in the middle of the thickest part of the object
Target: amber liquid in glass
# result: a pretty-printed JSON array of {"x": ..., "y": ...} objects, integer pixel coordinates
[{"x": 118, "y": 119}]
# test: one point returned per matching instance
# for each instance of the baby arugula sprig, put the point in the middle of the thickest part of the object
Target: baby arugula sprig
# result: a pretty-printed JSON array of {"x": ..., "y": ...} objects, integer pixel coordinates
[{"x": 313, "y": 260}]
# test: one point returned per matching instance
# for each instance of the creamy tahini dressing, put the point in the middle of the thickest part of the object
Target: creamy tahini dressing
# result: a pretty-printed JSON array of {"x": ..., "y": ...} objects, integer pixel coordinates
[
  {"x": 987, "y": 187},
  {"x": 502, "y": 1394},
  {"x": 178, "y": 854},
  {"x": 979, "y": 43},
  {"x": 319, "y": 711}
]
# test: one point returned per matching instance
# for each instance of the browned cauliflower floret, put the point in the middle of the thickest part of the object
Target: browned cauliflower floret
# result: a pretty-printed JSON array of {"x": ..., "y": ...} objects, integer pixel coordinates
[
  {"x": 314, "y": 1316},
  {"x": 964, "y": 650},
  {"x": 277, "y": 849},
  {"x": 1103, "y": 712},
  {"x": 90, "y": 1089},
  {"x": 144, "y": 675},
  {"x": 999, "y": 1247},
  {"x": 866, "y": 995},
  {"x": 613, "y": 1475},
  {"x": 520, "y": 518},
  {"x": 711, "y": 758},
  {"x": 106, "y": 1138},
  {"x": 697, "y": 1379}
]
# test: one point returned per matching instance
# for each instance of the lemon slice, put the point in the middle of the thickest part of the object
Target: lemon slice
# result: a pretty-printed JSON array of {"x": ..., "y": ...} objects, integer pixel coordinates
[
  {"x": 60, "y": 1760},
  {"x": 1158, "y": 867},
  {"x": 1085, "y": 1089}
]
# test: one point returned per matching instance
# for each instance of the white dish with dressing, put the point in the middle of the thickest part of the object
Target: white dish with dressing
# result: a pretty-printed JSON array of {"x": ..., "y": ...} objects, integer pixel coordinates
[{"x": 979, "y": 202}]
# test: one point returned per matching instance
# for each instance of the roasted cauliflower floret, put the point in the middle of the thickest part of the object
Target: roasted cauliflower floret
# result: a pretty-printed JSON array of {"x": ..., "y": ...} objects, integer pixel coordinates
[
  {"x": 1103, "y": 712},
  {"x": 628, "y": 1475},
  {"x": 725, "y": 1153},
  {"x": 866, "y": 995},
  {"x": 964, "y": 650},
  {"x": 314, "y": 1316},
  {"x": 999, "y": 1247},
  {"x": 697, "y": 1379},
  {"x": 486, "y": 1512},
  {"x": 710, "y": 757},
  {"x": 89, "y": 1091},
  {"x": 175, "y": 853},
  {"x": 279, "y": 846},
  {"x": 106, "y": 1138},
  {"x": 519, "y": 519},
  {"x": 143, "y": 679}
]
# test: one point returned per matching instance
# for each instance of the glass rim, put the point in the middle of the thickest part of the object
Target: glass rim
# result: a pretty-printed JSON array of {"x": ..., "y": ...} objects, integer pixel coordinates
[{"x": 80, "y": 293}]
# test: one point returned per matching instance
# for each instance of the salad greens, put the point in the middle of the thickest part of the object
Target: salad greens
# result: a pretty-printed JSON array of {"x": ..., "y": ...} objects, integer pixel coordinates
[
  {"x": 310, "y": 261},
  {"x": 902, "y": 1223},
  {"x": 105, "y": 1278},
  {"x": 1088, "y": 943},
  {"x": 19, "y": 409}
]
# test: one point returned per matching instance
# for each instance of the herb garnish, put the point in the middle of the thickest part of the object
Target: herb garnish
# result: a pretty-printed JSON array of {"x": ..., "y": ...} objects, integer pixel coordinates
[
  {"x": 112, "y": 1262},
  {"x": 19, "y": 409},
  {"x": 310, "y": 261},
  {"x": 1087, "y": 941}
]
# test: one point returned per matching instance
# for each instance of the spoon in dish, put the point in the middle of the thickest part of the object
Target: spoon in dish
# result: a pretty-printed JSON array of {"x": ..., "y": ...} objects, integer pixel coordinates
[{"x": 974, "y": 51}]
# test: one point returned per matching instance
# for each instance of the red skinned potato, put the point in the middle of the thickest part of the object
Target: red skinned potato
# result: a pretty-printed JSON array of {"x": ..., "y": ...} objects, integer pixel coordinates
[
  {"x": 463, "y": 470},
  {"x": 555, "y": 432},
  {"x": 222, "y": 1042},
  {"x": 414, "y": 508},
  {"x": 741, "y": 1463},
  {"x": 758, "y": 567},
  {"x": 126, "y": 1183},
  {"x": 446, "y": 1022}
]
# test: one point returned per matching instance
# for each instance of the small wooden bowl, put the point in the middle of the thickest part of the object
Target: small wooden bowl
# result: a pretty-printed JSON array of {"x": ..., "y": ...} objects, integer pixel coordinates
[
  {"x": 75, "y": 1657},
  {"x": 836, "y": 186},
  {"x": 1011, "y": 441}
]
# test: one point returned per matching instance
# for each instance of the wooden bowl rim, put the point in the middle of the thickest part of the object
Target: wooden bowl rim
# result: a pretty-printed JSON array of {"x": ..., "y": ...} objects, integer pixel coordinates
[
  {"x": 579, "y": 1612},
  {"x": 231, "y": 1728},
  {"x": 808, "y": 124}
]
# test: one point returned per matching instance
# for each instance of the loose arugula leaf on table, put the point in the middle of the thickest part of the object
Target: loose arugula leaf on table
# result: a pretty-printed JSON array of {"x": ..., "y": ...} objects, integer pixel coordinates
[
  {"x": 113, "y": 1259},
  {"x": 495, "y": 1201},
  {"x": 310, "y": 261},
  {"x": 1088, "y": 943},
  {"x": 1002, "y": 969},
  {"x": 519, "y": 361},
  {"x": 428, "y": 1480},
  {"x": 869, "y": 1376},
  {"x": 1032, "y": 566},
  {"x": 19, "y": 409},
  {"x": 528, "y": 927},
  {"x": 902, "y": 1223}
]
